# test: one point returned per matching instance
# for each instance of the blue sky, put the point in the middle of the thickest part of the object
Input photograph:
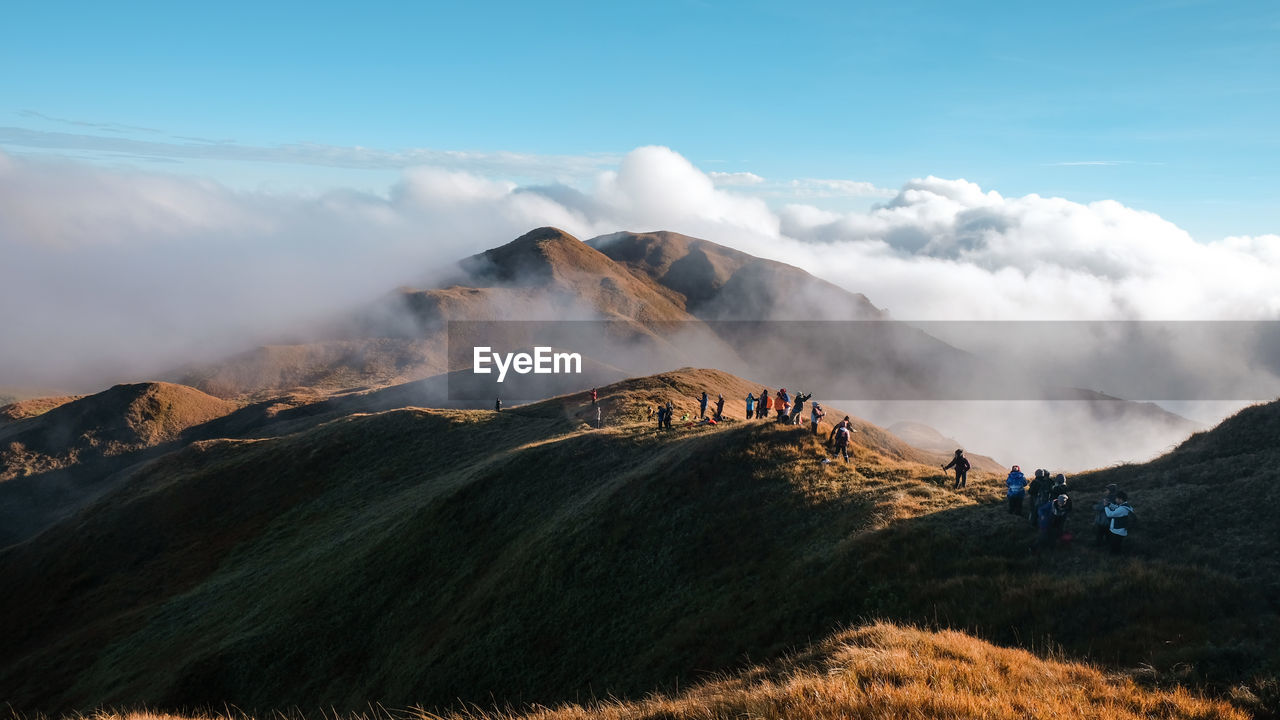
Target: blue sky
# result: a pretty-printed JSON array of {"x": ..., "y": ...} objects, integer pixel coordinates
[{"x": 1165, "y": 106}]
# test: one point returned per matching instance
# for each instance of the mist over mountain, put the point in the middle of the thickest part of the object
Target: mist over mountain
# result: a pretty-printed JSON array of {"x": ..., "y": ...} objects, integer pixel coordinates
[{"x": 151, "y": 271}]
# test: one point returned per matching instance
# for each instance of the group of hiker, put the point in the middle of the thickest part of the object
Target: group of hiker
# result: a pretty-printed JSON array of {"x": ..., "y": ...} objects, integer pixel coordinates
[
  {"x": 784, "y": 409},
  {"x": 1051, "y": 505},
  {"x": 781, "y": 406}
]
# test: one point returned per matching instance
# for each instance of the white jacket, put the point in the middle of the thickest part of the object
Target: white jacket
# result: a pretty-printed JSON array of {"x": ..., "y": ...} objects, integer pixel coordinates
[{"x": 1115, "y": 511}]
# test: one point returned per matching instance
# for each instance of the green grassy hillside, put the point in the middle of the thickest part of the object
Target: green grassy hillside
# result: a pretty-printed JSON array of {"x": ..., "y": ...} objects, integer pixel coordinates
[{"x": 420, "y": 556}]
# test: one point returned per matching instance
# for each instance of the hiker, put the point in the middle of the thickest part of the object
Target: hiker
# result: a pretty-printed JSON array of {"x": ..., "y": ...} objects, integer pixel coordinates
[
  {"x": 650, "y": 416},
  {"x": 1050, "y": 519},
  {"x": 961, "y": 464},
  {"x": 846, "y": 422},
  {"x": 797, "y": 411},
  {"x": 497, "y": 405},
  {"x": 1122, "y": 517},
  {"x": 1038, "y": 493},
  {"x": 798, "y": 408},
  {"x": 719, "y": 408},
  {"x": 1101, "y": 523},
  {"x": 1017, "y": 483},
  {"x": 842, "y": 433},
  {"x": 662, "y": 416},
  {"x": 1061, "y": 511},
  {"x": 766, "y": 404},
  {"x": 816, "y": 413},
  {"x": 593, "y": 397},
  {"x": 782, "y": 404},
  {"x": 751, "y": 405},
  {"x": 704, "y": 404},
  {"x": 1060, "y": 488}
]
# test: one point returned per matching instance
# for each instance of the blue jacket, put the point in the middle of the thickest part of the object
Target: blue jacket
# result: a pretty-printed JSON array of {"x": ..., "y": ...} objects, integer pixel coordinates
[
  {"x": 1017, "y": 483},
  {"x": 1044, "y": 514}
]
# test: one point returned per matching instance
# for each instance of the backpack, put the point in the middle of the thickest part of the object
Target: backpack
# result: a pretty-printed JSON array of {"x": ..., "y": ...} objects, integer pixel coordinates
[
  {"x": 963, "y": 464},
  {"x": 1127, "y": 522},
  {"x": 842, "y": 435}
]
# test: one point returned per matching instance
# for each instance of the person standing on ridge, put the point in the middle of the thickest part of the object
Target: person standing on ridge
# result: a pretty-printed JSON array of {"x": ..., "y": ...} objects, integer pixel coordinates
[
  {"x": 797, "y": 412},
  {"x": 961, "y": 465},
  {"x": 846, "y": 422},
  {"x": 719, "y": 408},
  {"x": 1017, "y": 483},
  {"x": 816, "y": 413},
  {"x": 764, "y": 406},
  {"x": 1101, "y": 524},
  {"x": 497, "y": 404},
  {"x": 751, "y": 405},
  {"x": 1038, "y": 493},
  {"x": 842, "y": 434},
  {"x": 593, "y": 397},
  {"x": 704, "y": 404},
  {"x": 1122, "y": 516},
  {"x": 782, "y": 404}
]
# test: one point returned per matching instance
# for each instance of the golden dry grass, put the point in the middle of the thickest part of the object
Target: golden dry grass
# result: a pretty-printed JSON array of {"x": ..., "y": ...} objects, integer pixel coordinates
[{"x": 877, "y": 672}]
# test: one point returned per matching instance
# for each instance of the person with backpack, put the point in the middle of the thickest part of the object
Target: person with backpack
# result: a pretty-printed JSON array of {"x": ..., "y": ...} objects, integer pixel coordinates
[
  {"x": 1039, "y": 494},
  {"x": 797, "y": 411},
  {"x": 751, "y": 405},
  {"x": 1017, "y": 483},
  {"x": 1123, "y": 519},
  {"x": 719, "y": 408},
  {"x": 782, "y": 404},
  {"x": 704, "y": 404},
  {"x": 1049, "y": 523},
  {"x": 594, "y": 397},
  {"x": 961, "y": 465},
  {"x": 1101, "y": 523},
  {"x": 763, "y": 405},
  {"x": 846, "y": 422},
  {"x": 842, "y": 434},
  {"x": 816, "y": 413}
]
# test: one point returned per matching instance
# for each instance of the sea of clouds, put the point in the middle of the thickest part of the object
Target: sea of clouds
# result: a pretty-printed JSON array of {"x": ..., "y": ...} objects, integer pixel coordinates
[{"x": 112, "y": 273}]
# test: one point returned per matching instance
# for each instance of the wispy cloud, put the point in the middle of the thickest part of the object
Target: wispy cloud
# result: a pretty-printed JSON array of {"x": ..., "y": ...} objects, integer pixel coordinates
[
  {"x": 501, "y": 163},
  {"x": 735, "y": 179},
  {"x": 1104, "y": 163},
  {"x": 103, "y": 126}
]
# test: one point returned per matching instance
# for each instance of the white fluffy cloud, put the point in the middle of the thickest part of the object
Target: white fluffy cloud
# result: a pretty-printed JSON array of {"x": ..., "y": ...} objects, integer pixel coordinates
[{"x": 134, "y": 265}]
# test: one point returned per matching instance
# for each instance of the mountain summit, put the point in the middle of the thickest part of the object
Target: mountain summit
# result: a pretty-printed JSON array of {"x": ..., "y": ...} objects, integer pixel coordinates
[{"x": 720, "y": 283}]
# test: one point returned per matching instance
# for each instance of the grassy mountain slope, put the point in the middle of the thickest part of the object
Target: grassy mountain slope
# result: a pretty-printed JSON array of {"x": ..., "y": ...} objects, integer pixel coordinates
[
  {"x": 23, "y": 409},
  {"x": 388, "y": 539},
  {"x": 720, "y": 283},
  {"x": 421, "y": 556},
  {"x": 55, "y": 461},
  {"x": 887, "y": 671},
  {"x": 877, "y": 671}
]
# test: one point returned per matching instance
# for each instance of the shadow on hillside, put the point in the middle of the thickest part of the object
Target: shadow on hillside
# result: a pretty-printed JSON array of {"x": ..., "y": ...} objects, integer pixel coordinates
[{"x": 419, "y": 557}]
